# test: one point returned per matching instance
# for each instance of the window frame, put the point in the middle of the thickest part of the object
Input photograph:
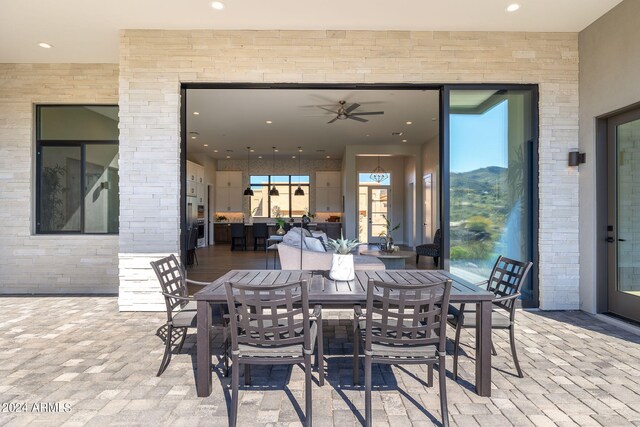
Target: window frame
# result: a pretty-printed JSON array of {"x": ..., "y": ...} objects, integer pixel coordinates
[
  {"x": 292, "y": 188},
  {"x": 65, "y": 143}
]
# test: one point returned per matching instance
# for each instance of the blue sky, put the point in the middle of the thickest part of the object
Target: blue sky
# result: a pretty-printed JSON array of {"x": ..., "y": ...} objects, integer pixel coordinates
[{"x": 479, "y": 140}]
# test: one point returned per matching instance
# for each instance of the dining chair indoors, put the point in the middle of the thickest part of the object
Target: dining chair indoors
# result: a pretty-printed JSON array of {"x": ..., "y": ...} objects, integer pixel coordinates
[
  {"x": 181, "y": 308},
  {"x": 505, "y": 282},
  {"x": 272, "y": 325},
  {"x": 403, "y": 324}
]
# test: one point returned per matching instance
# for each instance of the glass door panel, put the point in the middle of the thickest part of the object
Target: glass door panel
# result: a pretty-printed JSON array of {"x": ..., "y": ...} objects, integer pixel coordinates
[
  {"x": 624, "y": 230},
  {"x": 378, "y": 210},
  {"x": 491, "y": 209}
]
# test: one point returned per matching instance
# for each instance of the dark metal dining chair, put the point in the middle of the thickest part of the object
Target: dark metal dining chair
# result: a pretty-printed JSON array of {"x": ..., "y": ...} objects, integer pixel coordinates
[
  {"x": 272, "y": 325},
  {"x": 260, "y": 235},
  {"x": 181, "y": 308},
  {"x": 403, "y": 324},
  {"x": 192, "y": 245},
  {"x": 238, "y": 234},
  {"x": 505, "y": 282}
]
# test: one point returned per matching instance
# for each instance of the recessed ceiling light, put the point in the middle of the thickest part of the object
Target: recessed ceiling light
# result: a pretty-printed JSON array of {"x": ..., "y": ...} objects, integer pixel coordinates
[
  {"x": 217, "y": 5},
  {"x": 367, "y": 135},
  {"x": 433, "y": 119},
  {"x": 409, "y": 123},
  {"x": 275, "y": 150},
  {"x": 228, "y": 157},
  {"x": 45, "y": 45},
  {"x": 259, "y": 157},
  {"x": 195, "y": 113},
  {"x": 328, "y": 157},
  {"x": 404, "y": 140},
  {"x": 268, "y": 122},
  {"x": 293, "y": 157},
  {"x": 193, "y": 137},
  {"x": 206, "y": 145},
  {"x": 513, "y": 7},
  {"x": 252, "y": 150},
  {"x": 215, "y": 151}
]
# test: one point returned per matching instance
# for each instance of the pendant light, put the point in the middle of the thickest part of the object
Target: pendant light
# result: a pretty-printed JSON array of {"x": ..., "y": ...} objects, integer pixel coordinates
[
  {"x": 299, "y": 191},
  {"x": 248, "y": 191},
  {"x": 274, "y": 191},
  {"x": 378, "y": 174}
]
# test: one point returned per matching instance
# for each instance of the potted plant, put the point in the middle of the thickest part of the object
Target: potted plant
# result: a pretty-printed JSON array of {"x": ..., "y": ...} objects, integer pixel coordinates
[
  {"x": 342, "y": 262},
  {"x": 386, "y": 240}
]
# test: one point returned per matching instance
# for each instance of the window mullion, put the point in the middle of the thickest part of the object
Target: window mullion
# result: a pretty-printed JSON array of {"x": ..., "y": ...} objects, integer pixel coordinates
[{"x": 83, "y": 158}]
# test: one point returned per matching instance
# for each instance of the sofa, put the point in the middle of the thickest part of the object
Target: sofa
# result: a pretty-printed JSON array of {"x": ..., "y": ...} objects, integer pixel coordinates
[{"x": 318, "y": 259}]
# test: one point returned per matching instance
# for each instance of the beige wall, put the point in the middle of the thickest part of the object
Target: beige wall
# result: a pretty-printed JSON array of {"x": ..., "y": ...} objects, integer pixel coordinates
[
  {"x": 47, "y": 263},
  {"x": 609, "y": 65},
  {"x": 154, "y": 63}
]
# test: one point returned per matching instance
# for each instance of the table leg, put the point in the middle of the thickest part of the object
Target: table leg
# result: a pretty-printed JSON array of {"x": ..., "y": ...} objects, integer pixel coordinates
[
  {"x": 483, "y": 349},
  {"x": 203, "y": 349}
]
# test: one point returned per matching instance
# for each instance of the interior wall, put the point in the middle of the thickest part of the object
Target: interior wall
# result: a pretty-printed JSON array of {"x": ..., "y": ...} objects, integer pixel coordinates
[
  {"x": 410, "y": 219},
  {"x": 431, "y": 165},
  {"x": 609, "y": 64}
]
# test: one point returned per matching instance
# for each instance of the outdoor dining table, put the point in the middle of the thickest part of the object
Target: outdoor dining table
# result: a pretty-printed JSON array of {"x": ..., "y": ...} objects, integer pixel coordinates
[{"x": 344, "y": 294}]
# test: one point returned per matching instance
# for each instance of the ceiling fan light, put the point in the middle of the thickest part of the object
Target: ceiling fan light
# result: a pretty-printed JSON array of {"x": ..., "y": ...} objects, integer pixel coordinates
[
  {"x": 274, "y": 191},
  {"x": 299, "y": 191}
]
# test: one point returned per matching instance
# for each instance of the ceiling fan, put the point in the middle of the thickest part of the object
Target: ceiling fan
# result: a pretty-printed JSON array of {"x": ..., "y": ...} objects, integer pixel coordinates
[{"x": 346, "y": 113}]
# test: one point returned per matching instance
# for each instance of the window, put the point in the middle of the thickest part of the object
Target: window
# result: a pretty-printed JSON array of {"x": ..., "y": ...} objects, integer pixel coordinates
[
  {"x": 286, "y": 203},
  {"x": 77, "y": 183}
]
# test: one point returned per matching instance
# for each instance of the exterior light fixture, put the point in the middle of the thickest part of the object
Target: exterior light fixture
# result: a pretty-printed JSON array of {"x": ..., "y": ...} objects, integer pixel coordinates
[
  {"x": 378, "y": 174},
  {"x": 248, "y": 191},
  {"x": 576, "y": 158},
  {"x": 274, "y": 191},
  {"x": 217, "y": 5},
  {"x": 45, "y": 45},
  {"x": 299, "y": 191},
  {"x": 513, "y": 7}
]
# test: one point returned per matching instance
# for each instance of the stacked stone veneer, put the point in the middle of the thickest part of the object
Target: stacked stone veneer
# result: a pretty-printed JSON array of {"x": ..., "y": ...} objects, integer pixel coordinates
[
  {"x": 154, "y": 63},
  {"x": 32, "y": 263}
]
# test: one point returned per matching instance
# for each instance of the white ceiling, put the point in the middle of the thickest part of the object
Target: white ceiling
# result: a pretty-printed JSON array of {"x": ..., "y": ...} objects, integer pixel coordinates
[
  {"x": 233, "y": 119},
  {"x": 87, "y": 30}
]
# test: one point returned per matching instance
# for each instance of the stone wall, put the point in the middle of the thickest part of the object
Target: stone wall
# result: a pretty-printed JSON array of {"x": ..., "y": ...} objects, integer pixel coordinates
[
  {"x": 47, "y": 263},
  {"x": 154, "y": 63}
]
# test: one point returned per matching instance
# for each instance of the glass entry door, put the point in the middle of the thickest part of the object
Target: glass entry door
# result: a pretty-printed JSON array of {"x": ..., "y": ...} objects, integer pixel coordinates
[
  {"x": 623, "y": 229},
  {"x": 378, "y": 210}
]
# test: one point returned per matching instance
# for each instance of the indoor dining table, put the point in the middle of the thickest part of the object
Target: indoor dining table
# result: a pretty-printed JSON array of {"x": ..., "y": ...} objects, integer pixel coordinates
[{"x": 345, "y": 294}]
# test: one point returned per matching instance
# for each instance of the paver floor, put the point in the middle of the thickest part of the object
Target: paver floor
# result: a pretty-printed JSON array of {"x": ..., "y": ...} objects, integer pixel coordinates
[{"x": 78, "y": 361}]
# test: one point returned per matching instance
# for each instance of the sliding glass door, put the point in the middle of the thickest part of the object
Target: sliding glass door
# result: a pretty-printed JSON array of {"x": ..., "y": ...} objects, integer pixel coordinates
[{"x": 490, "y": 140}]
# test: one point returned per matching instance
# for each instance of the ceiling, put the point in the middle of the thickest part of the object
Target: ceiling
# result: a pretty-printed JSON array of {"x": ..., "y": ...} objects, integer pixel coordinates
[
  {"x": 87, "y": 30},
  {"x": 233, "y": 119}
]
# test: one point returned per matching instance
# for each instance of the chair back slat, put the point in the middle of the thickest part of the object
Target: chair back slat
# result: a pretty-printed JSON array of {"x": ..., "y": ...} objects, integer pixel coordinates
[
  {"x": 269, "y": 315},
  {"x": 507, "y": 278},
  {"x": 406, "y": 315},
  {"x": 172, "y": 278}
]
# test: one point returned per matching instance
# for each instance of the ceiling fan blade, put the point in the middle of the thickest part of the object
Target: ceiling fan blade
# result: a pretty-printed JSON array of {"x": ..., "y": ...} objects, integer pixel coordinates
[
  {"x": 358, "y": 119},
  {"x": 331, "y": 121},
  {"x": 326, "y": 109},
  {"x": 352, "y": 107},
  {"x": 368, "y": 113}
]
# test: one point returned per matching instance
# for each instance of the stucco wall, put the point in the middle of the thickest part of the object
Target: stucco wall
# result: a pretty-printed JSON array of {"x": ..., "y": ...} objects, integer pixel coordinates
[
  {"x": 153, "y": 63},
  {"x": 609, "y": 64},
  {"x": 47, "y": 263}
]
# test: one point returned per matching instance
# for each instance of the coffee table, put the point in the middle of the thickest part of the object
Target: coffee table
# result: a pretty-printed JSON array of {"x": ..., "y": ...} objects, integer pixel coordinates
[{"x": 391, "y": 260}]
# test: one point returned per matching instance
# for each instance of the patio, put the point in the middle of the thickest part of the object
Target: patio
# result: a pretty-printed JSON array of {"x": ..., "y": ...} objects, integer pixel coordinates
[{"x": 82, "y": 351}]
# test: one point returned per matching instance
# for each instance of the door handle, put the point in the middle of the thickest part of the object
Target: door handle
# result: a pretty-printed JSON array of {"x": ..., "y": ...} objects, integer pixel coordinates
[
  {"x": 610, "y": 240},
  {"x": 622, "y": 240}
]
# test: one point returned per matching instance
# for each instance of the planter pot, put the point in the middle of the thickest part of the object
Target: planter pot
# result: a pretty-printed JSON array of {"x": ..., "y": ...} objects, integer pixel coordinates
[
  {"x": 280, "y": 231},
  {"x": 342, "y": 267}
]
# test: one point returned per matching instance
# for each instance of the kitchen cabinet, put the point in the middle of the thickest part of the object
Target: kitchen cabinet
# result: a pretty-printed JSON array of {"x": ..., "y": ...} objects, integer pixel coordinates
[
  {"x": 201, "y": 193},
  {"x": 328, "y": 192},
  {"x": 222, "y": 233},
  {"x": 195, "y": 180},
  {"x": 229, "y": 191}
]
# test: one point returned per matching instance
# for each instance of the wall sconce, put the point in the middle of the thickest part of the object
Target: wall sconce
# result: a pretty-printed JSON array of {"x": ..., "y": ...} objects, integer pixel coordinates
[{"x": 576, "y": 158}]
